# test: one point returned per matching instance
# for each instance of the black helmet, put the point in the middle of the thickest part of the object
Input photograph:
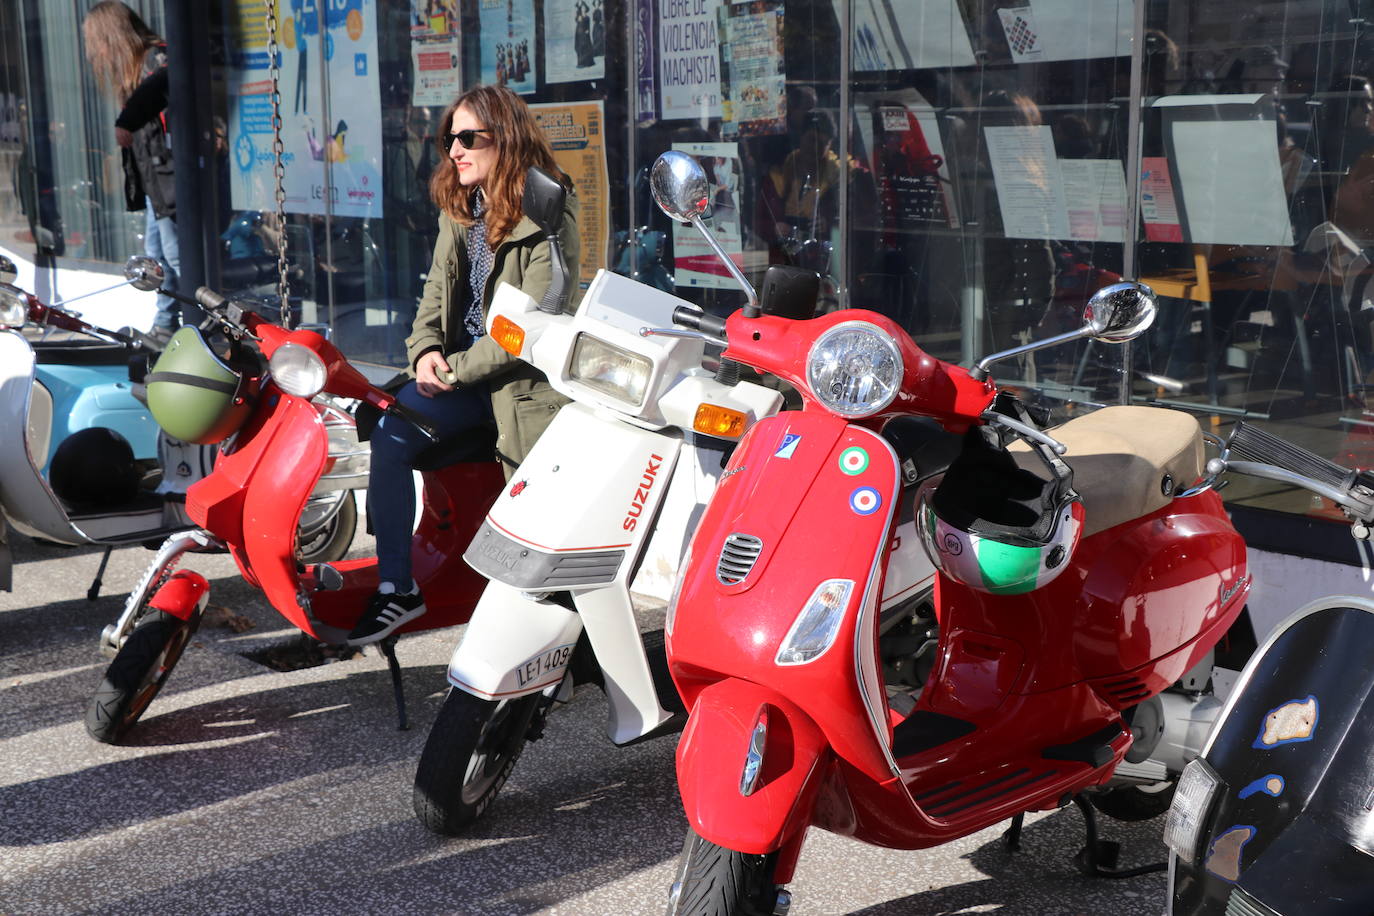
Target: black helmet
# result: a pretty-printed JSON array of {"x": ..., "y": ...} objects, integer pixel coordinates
[{"x": 94, "y": 467}]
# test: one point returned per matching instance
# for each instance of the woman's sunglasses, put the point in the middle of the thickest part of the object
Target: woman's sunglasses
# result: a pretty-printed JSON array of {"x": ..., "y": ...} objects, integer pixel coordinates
[{"x": 466, "y": 138}]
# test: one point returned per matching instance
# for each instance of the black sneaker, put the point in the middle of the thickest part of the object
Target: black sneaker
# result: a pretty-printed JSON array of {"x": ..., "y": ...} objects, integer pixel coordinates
[{"x": 384, "y": 614}]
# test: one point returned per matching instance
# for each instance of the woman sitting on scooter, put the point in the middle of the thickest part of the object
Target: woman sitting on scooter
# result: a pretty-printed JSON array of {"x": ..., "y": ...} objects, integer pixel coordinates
[{"x": 462, "y": 378}]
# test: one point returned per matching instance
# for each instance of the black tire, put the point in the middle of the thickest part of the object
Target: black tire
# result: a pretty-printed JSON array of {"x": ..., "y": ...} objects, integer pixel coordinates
[
  {"x": 334, "y": 537},
  {"x": 1135, "y": 803},
  {"x": 715, "y": 881},
  {"x": 137, "y": 674},
  {"x": 471, "y": 750}
]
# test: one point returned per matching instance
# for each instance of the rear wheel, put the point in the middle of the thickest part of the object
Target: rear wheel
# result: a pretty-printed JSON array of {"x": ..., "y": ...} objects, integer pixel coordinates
[
  {"x": 715, "y": 881},
  {"x": 1135, "y": 803},
  {"x": 470, "y": 752},
  {"x": 138, "y": 671}
]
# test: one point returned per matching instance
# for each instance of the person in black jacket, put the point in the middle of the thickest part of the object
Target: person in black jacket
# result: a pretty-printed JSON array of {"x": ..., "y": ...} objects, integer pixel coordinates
[{"x": 130, "y": 64}]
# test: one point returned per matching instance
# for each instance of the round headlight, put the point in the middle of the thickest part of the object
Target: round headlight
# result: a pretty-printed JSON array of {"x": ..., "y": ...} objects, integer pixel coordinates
[
  {"x": 14, "y": 308},
  {"x": 854, "y": 369},
  {"x": 297, "y": 370}
]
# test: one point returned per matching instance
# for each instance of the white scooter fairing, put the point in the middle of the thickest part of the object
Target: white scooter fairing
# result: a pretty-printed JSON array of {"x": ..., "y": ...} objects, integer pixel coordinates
[{"x": 578, "y": 513}]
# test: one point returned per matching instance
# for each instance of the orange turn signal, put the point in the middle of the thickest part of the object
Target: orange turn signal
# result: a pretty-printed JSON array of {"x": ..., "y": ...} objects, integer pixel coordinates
[
  {"x": 508, "y": 334},
  {"x": 714, "y": 420}
]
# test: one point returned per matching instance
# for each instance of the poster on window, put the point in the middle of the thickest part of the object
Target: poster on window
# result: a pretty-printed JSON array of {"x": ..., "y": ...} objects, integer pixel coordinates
[
  {"x": 1030, "y": 192},
  {"x": 688, "y": 59},
  {"x": 507, "y": 29},
  {"x": 906, "y": 35},
  {"x": 646, "y": 97},
  {"x": 753, "y": 79},
  {"x": 435, "y": 52},
  {"x": 346, "y": 146},
  {"x": 577, "y": 133},
  {"x": 901, "y": 142},
  {"x": 1045, "y": 30},
  {"x": 694, "y": 263},
  {"x": 574, "y": 40}
]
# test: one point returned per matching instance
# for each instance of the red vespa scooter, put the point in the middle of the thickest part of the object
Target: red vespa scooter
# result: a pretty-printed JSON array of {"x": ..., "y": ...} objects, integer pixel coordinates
[
  {"x": 1081, "y": 574},
  {"x": 251, "y": 504}
]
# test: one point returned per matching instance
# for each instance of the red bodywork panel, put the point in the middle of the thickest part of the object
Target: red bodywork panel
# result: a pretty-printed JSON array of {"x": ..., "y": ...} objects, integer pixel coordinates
[
  {"x": 1026, "y": 675},
  {"x": 930, "y": 387},
  {"x": 254, "y": 498}
]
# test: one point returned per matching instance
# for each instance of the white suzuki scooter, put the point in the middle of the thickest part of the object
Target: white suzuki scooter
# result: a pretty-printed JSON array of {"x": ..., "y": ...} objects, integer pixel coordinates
[{"x": 637, "y": 453}]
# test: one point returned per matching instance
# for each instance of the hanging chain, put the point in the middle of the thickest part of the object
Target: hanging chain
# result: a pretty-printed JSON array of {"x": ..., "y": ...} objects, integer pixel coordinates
[{"x": 278, "y": 151}]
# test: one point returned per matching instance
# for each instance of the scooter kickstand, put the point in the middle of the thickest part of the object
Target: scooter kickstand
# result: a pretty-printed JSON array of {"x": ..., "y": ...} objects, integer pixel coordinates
[
  {"x": 1012, "y": 837},
  {"x": 93, "y": 592},
  {"x": 1098, "y": 858},
  {"x": 388, "y": 647}
]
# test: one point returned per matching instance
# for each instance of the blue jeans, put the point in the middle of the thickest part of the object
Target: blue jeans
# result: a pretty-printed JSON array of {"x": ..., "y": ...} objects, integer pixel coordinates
[
  {"x": 391, "y": 481},
  {"x": 160, "y": 242}
]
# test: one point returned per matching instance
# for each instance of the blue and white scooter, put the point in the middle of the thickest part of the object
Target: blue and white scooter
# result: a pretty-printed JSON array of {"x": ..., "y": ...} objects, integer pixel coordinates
[{"x": 90, "y": 465}]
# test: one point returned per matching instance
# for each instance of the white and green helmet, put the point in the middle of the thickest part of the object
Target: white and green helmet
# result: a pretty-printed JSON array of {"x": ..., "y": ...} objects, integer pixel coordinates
[
  {"x": 1000, "y": 564},
  {"x": 997, "y": 527}
]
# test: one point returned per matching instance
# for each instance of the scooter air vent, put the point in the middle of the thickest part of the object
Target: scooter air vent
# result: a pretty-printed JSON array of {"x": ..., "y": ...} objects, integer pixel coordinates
[{"x": 737, "y": 558}]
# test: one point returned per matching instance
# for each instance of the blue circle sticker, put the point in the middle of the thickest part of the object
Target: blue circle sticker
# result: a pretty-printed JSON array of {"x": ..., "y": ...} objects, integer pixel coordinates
[{"x": 865, "y": 501}]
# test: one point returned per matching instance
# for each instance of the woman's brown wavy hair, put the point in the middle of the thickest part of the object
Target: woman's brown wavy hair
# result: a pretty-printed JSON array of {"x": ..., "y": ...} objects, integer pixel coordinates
[
  {"x": 116, "y": 40},
  {"x": 519, "y": 144}
]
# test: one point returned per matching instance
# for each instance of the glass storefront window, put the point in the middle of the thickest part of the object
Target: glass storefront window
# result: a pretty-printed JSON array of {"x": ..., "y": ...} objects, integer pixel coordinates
[{"x": 965, "y": 167}]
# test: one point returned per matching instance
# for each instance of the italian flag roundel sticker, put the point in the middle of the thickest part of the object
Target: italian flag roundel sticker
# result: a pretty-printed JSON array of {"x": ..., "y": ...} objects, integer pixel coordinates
[
  {"x": 865, "y": 501},
  {"x": 853, "y": 460}
]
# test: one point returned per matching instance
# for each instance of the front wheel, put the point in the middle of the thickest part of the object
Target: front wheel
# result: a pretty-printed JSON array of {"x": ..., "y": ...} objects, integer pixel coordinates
[
  {"x": 470, "y": 752},
  {"x": 715, "y": 881},
  {"x": 330, "y": 541},
  {"x": 138, "y": 671}
]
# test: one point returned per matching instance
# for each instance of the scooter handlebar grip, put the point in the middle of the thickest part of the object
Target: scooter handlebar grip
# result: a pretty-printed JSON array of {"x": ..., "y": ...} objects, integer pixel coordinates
[
  {"x": 209, "y": 298},
  {"x": 415, "y": 419},
  {"x": 688, "y": 317}
]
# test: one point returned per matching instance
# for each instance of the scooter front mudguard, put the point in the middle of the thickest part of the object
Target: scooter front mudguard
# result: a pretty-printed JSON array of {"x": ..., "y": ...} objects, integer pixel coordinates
[
  {"x": 254, "y": 497},
  {"x": 1290, "y": 827},
  {"x": 514, "y": 645},
  {"x": 735, "y": 727},
  {"x": 186, "y": 593}
]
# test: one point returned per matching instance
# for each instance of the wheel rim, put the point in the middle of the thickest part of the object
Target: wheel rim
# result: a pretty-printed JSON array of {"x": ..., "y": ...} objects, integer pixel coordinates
[
  {"x": 157, "y": 672},
  {"x": 500, "y": 738}
]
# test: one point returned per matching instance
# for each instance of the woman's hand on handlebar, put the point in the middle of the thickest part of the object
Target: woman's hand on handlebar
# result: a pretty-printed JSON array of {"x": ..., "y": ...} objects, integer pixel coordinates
[{"x": 428, "y": 378}]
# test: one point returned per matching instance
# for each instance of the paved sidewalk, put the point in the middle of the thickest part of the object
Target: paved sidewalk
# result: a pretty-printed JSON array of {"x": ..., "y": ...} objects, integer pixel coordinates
[{"x": 250, "y": 791}]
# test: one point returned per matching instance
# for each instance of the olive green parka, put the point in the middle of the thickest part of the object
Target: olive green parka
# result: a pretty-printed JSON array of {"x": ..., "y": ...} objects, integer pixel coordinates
[{"x": 522, "y": 400}]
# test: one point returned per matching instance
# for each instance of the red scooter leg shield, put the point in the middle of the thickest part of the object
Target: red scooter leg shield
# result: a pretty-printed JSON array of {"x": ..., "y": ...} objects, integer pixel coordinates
[
  {"x": 265, "y": 481},
  {"x": 814, "y": 498}
]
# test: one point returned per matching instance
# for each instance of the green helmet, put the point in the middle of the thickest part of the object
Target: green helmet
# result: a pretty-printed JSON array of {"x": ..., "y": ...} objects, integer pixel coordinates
[{"x": 193, "y": 394}]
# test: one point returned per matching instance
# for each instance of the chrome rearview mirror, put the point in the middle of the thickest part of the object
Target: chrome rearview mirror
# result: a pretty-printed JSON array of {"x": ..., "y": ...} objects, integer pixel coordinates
[
  {"x": 143, "y": 273},
  {"x": 683, "y": 192},
  {"x": 680, "y": 188},
  {"x": 8, "y": 272},
  {"x": 1114, "y": 314},
  {"x": 1120, "y": 312}
]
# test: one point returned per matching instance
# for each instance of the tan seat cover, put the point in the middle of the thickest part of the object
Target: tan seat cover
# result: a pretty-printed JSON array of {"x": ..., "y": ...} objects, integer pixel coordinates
[{"x": 1120, "y": 458}]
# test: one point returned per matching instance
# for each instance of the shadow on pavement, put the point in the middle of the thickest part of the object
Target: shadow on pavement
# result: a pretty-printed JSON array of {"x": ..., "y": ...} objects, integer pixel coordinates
[{"x": 1041, "y": 879}]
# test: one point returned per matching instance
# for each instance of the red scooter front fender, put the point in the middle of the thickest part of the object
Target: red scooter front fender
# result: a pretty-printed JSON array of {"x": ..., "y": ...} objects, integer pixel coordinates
[{"x": 711, "y": 760}]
